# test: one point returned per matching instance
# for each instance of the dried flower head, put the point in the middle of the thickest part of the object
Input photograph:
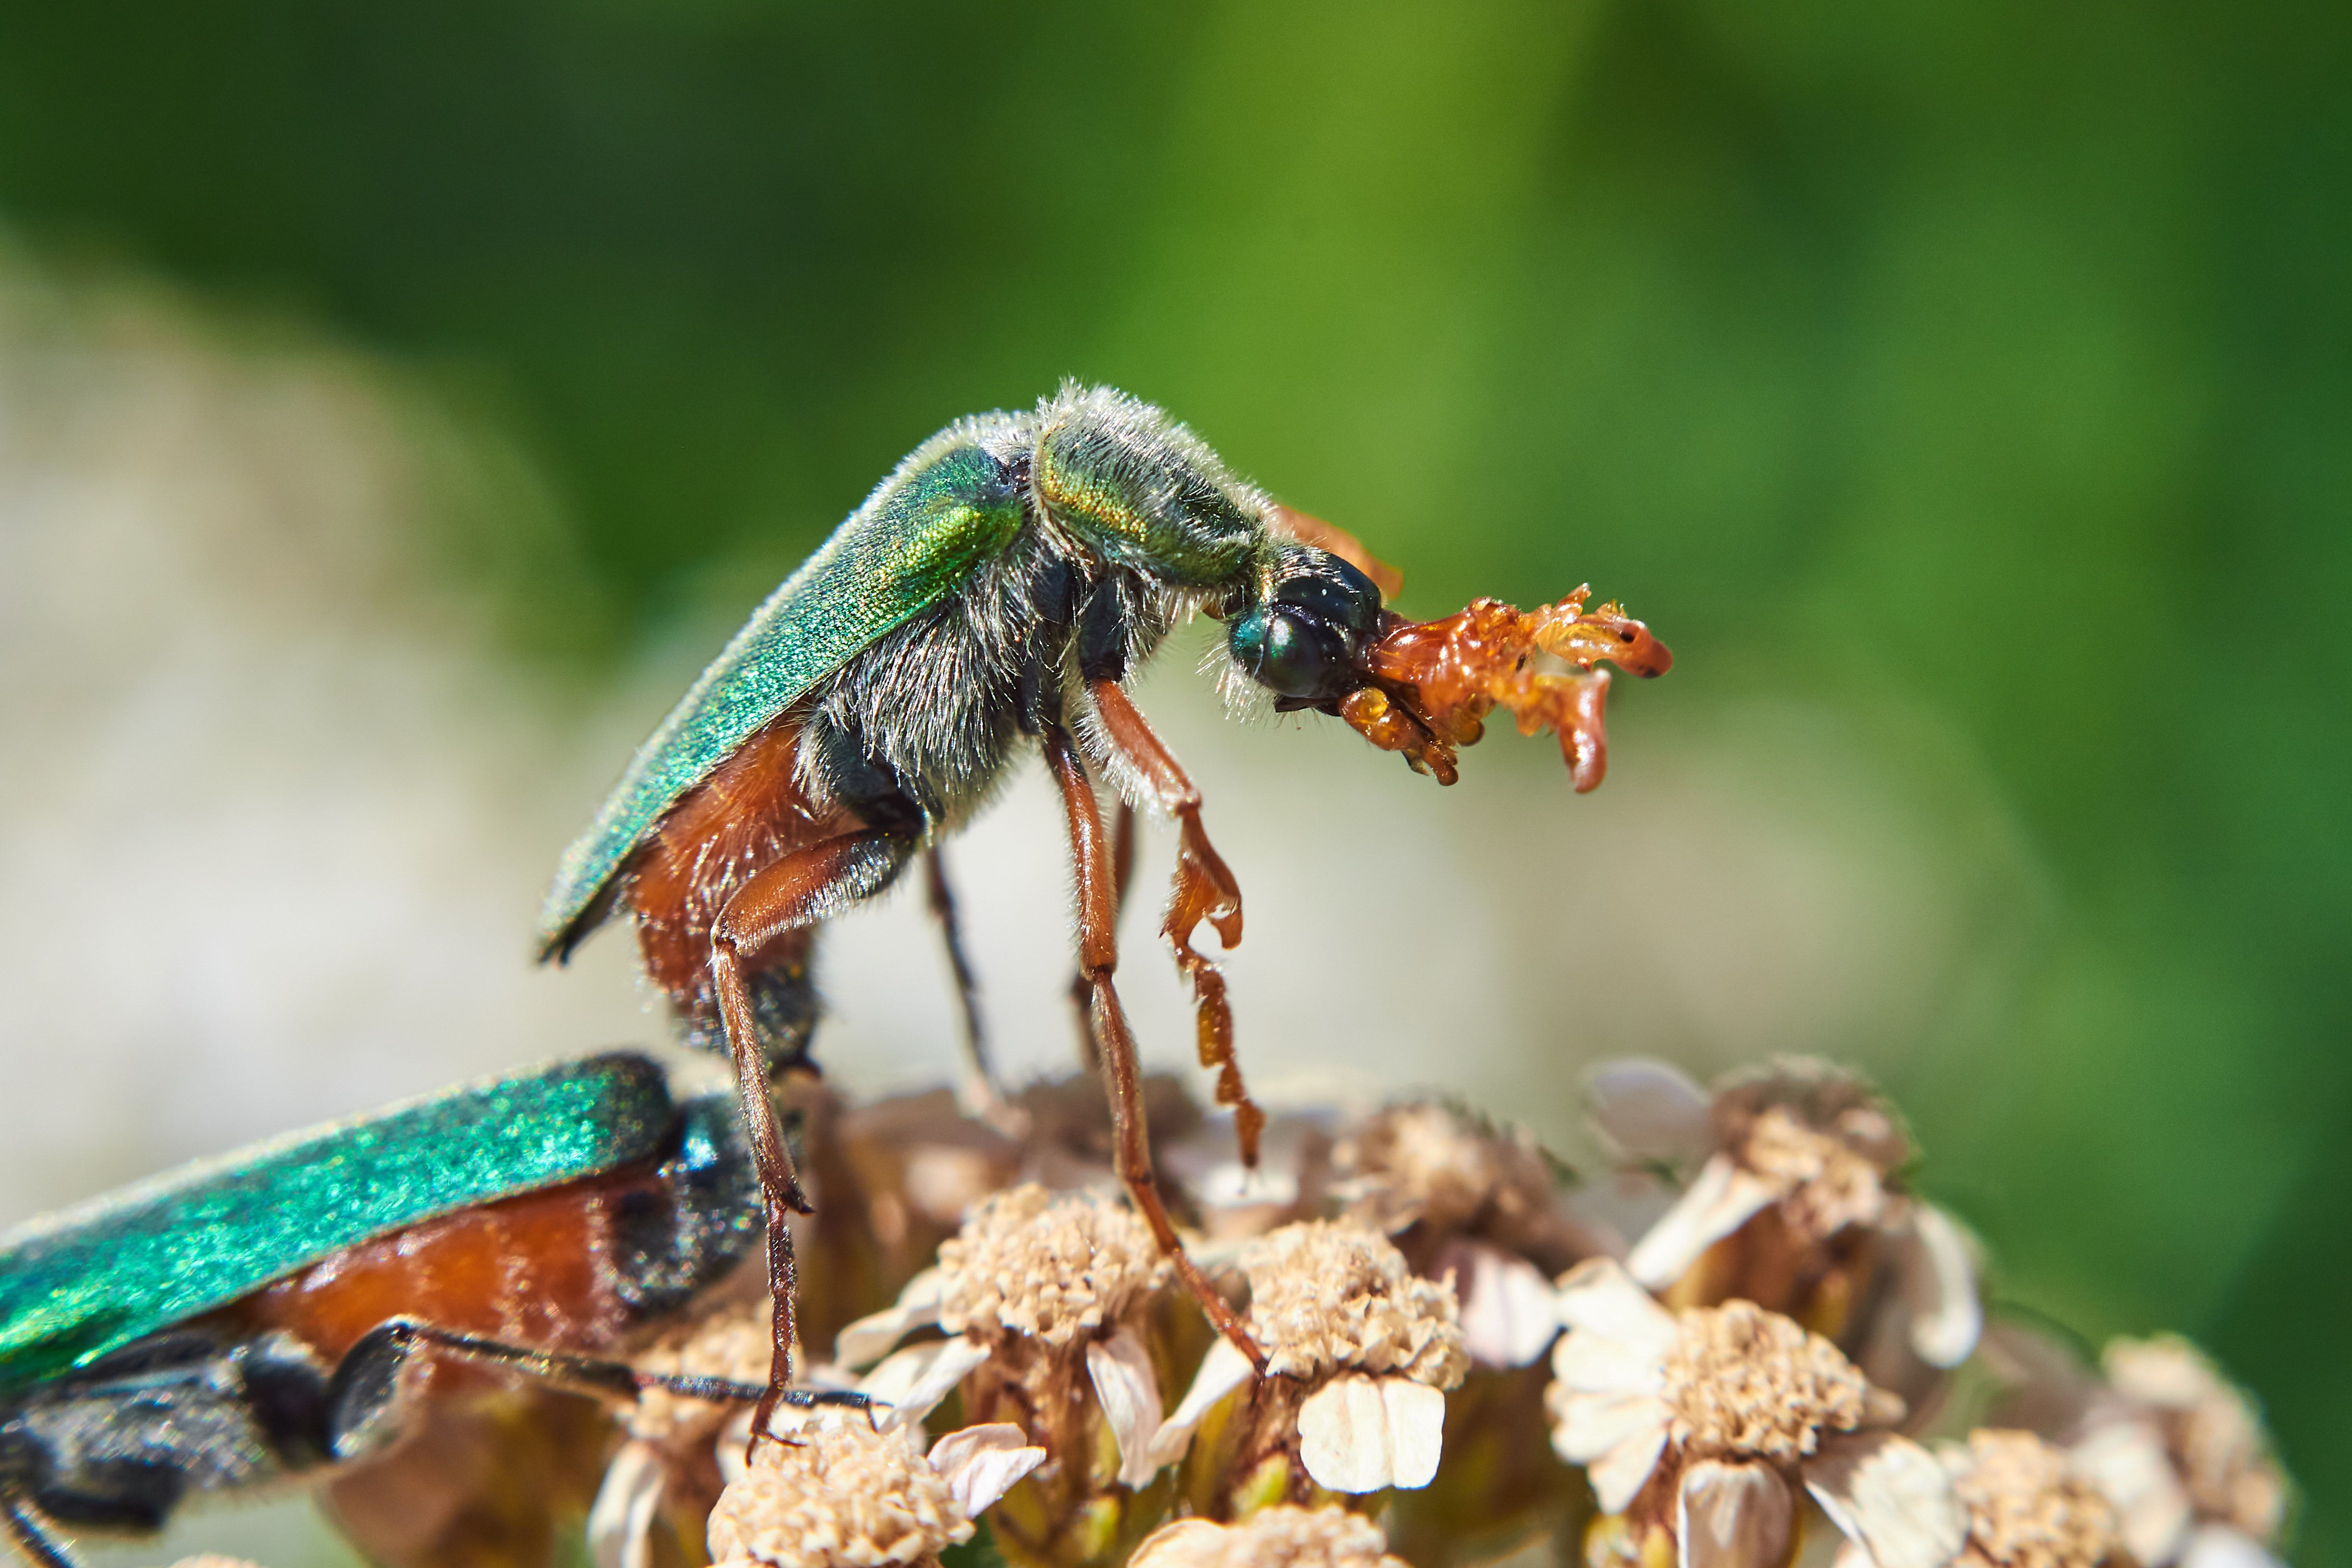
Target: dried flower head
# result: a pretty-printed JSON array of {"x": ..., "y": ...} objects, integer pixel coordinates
[
  {"x": 1430, "y": 1164},
  {"x": 1278, "y": 1537},
  {"x": 1471, "y": 1204},
  {"x": 1798, "y": 1204},
  {"x": 1710, "y": 1418},
  {"x": 1328, "y": 1298},
  {"x": 2211, "y": 1432},
  {"x": 2025, "y": 1508},
  {"x": 845, "y": 1494},
  {"x": 1742, "y": 1381},
  {"x": 1358, "y": 1350},
  {"x": 1055, "y": 1268}
]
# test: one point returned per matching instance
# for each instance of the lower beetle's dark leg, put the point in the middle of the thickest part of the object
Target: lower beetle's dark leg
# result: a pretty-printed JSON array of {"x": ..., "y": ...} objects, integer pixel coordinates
[
  {"x": 376, "y": 1357},
  {"x": 30, "y": 1532},
  {"x": 1122, "y": 869},
  {"x": 791, "y": 895},
  {"x": 1098, "y": 957},
  {"x": 986, "y": 1089}
]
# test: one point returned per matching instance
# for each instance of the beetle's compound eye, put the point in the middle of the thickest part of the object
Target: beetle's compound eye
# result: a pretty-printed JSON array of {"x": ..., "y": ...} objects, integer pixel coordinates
[
  {"x": 1292, "y": 653},
  {"x": 1332, "y": 591}
]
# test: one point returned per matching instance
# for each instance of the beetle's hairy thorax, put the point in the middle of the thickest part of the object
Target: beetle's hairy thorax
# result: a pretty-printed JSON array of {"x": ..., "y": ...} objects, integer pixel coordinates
[{"x": 939, "y": 704}]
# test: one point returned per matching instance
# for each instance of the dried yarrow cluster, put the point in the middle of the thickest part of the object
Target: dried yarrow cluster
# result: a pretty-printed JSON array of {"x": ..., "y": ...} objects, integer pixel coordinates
[{"x": 1750, "y": 1339}]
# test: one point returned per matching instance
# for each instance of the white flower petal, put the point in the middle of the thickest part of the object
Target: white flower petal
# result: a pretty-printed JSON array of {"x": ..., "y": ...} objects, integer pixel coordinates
[
  {"x": 1590, "y": 1424},
  {"x": 1358, "y": 1434},
  {"x": 1946, "y": 1315},
  {"x": 1222, "y": 1370},
  {"x": 1721, "y": 1201},
  {"x": 2126, "y": 1463},
  {"x": 1185, "y": 1544},
  {"x": 1623, "y": 1471},
  {"x": 734, "y": 1441},
  {"x": 1416, "y": 1431},
  {"x": 1508, "y": 1315},
  {"x": 1732, "y": 1516},
  {"x": 909, "y": 1385},
  {"x": 1594, "y": 1364},
  {"x": 1892, "y": 1496},
  {"x": 1128, "y": 1391},
  {"x": 1598, "y": 1295},
  {"x": 982, "y": 1463},
  {"x": 621, "y": 1522},
  {"x": 1649, "y": 1109},
  {"x": 869, "y": 1339},
  {"x": 2219, "y": 1546}
]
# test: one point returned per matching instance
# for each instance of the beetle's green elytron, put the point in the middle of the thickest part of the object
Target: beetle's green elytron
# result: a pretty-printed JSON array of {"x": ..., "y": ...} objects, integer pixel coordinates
[{"x": 994, "y": 590}]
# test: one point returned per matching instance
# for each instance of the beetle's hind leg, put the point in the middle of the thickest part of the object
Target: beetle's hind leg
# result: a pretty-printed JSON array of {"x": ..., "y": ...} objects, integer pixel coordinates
[
  {"x": 1204, "y": 890},
  {"x": 1098, "y": 957},
  {"x": 983, "y": 1090},
  {"x": 31, "y": 1535},
  {"x": 789, "y": 897}
]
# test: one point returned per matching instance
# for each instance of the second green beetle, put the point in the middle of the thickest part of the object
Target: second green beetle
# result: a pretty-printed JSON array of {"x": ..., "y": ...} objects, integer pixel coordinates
[{"x": 996, "y": 592}]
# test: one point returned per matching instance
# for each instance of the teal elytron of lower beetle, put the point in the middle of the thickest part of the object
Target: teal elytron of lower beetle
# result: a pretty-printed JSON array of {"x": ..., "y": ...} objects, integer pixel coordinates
[
  {"x": 275, "y": 1313},
  {"x": 996, "y": 592}
]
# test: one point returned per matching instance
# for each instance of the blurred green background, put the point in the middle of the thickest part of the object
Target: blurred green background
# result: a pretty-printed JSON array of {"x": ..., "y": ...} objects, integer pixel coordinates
[{"x": 1987, "y": 363}]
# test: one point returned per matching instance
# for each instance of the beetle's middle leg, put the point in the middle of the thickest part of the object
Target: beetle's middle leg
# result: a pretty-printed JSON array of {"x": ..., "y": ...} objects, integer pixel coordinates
[
  {"x": 1204, "y": 890},
  {"x": 789, "y": 897},
  {"x": 1082, "y": 991},
  {"x": 1098, "y": 957}
]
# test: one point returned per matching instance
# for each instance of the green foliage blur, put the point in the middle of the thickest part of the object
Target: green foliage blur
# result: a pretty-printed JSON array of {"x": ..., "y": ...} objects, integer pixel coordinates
[{"x": 1989, "y": 360}]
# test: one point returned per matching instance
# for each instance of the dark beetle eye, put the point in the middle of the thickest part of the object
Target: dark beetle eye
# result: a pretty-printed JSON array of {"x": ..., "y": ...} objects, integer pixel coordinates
[
  {"x": 1335, "y": 593},
  {"x": 1291, "y": 655}
]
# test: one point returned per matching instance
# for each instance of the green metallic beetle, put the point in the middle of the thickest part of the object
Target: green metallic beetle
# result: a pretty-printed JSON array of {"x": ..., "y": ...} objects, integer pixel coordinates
[
  {"x": 258, "y": 1316},
  {"x": 994, "y": 592}
]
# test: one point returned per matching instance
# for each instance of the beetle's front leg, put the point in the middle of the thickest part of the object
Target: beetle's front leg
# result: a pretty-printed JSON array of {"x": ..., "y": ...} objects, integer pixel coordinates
[
  {"x": 788, "y": 897},
  {"x": 1098, "y": 957},
  {"x": 1204, "y": 890}
]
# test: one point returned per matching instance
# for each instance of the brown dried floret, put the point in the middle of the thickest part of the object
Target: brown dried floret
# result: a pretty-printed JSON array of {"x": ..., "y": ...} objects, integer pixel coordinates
[
  {"x": 1820, "y": 1136},
  {"x": 1326, "y": 1298},
  {"x": 2215, "y": 1438},
  {"x": 1740, "y": 1380},
  {"x": 2025, "y": 1510},
  {"x": 1280, "y": 1537},
  {"x": 840, "y": 1495},
  {"x": 1056, "y": 1268},
  {"x": 1451, "y": 1171}
]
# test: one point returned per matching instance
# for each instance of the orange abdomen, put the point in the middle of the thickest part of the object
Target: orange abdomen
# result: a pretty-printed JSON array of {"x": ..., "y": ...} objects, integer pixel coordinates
[
  {"x": 534, "y": 1271},
  {"x": 746, "y": 816}
]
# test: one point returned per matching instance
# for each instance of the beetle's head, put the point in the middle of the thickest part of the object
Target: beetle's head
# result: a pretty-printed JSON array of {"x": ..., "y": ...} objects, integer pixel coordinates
[{"x": 1304, "y": 629}]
